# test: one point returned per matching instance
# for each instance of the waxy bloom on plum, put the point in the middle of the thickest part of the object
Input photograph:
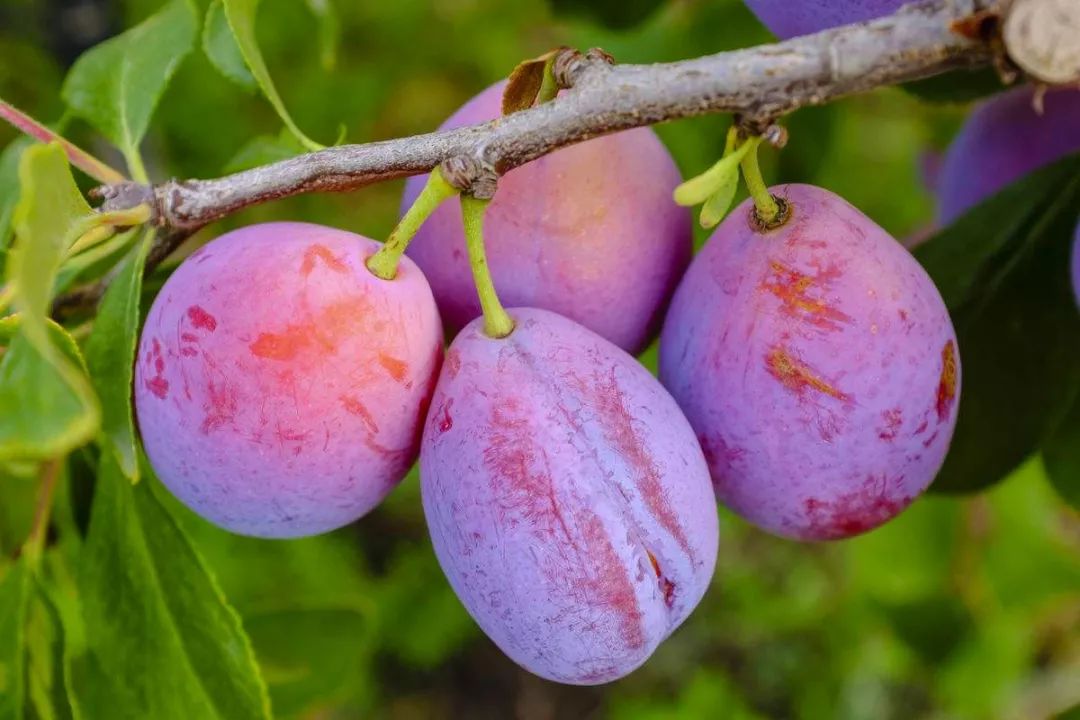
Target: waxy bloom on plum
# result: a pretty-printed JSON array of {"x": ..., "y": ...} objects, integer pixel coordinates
[
  {"x": 567, "y": 499},
  {"x": 280, "y": 386},
  {"x": 817, "y": 364}
]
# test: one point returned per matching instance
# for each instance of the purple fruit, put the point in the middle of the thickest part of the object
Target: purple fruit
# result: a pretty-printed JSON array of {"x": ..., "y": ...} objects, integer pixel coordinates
[
  {"x": 818, "y": 366},
  {"x": 1003, "y": 140},
  {"x": 568, "y": 501},
  {"x": 789, "y": 18},
  {"x": 281, "y": 386},
  {"x": 590, "y": 232}
]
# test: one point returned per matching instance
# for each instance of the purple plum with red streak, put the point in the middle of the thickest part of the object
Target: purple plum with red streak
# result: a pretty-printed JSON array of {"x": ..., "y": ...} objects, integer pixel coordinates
[
  {"x": 567, "y": 499},
  {"x": 1003, "y": 140},
  {"x": 590, "y": 232},
  {"x": 818, "y": 366},
  {"x": 789, "y": 18},
  {"x": 280, "y": 385}
]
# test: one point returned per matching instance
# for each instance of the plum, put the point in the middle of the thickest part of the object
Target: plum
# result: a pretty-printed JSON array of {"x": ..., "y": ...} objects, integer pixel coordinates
[
  {"x": 818, "y": 366},
  {"x": 789, "y": 18},
  {"x": 280, "y": 386},
  {"x": 1003, "y": 140},
  {"x": 568, "y": 501},
  {"x": 590, "y": 232}
]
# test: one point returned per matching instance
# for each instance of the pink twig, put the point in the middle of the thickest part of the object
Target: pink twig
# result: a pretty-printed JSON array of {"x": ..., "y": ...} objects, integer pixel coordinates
[{"x": 77, "y": 156}]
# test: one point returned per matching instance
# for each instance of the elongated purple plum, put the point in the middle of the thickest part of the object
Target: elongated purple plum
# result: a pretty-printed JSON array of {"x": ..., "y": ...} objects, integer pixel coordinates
[
  {"x": 567, "y": 499},
  {"x": 1003, "y": 140},
  {"x": 590, "y": 232},
  {"x": 281, "y": 386},
  {"x": 789, "y": 18},
  {"x": 818, "y": 366}
]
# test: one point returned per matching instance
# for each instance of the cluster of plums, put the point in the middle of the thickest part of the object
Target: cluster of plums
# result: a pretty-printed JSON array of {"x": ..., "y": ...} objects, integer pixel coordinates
[{"x": 809, "y": 379}]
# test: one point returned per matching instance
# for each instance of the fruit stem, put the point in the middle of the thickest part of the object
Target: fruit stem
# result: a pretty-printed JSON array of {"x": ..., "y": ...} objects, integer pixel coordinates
[
  {"x": 497, "y": 323},
  {"x": 768, "y": 210},
  {"x": 384, "y": 263}
]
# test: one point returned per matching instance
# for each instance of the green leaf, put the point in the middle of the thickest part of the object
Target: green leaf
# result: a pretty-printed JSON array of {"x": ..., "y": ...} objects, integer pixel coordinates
[
  {"x": 61, "y": 339},
  {"x": 94, "y": 262},
  {"x": 241, "y": 17},
  {"x": 1001, "y": 271},
  {"x": 1061, "y": 455},
  {"x": 50, "y": 215},
  {"x": 309, "y": 656},
  {"x": 110, "y": 352},
  {"x": 9, "y": 192},
  {"x": 54, "y": 406},
  {"x": 329, "y": 31},
  {"x": 221, "y": 49},
  {"x": 14, "y": 597},
  {"x": 46, "y": 669},
  {"x": 50, "y": 416},
  {"x": 717, "y": 204},
  {"x": 263, "y": 150},
  {"x": 116, "y": 85},
  {"x": 958, "y": 86},
  {"x": 714, "y": 180},
  {"x": 162, "y": 641}
]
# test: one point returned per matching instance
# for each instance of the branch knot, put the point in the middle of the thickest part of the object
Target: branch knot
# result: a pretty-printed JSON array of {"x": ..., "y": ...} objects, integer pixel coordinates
[{"x": 470, "y": 176}]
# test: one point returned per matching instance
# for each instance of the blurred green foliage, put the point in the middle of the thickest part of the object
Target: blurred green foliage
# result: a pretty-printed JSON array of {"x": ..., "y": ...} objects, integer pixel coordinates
[{"x": 961, "y": 608}]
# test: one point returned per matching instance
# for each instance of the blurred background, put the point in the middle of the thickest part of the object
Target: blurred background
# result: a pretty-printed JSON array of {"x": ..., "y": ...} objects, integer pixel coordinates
[{"x": 964, "y": 607}]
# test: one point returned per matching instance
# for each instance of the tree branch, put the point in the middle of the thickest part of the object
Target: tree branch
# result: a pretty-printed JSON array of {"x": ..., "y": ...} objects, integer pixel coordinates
[{"x": 759, "y": 84}]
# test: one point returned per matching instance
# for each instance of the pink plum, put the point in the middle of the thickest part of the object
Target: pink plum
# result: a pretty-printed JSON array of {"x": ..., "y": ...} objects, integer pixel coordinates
[
  {"x": 590, "y": 232},
  {"x": 281, "y": 386},
  {"x": 789, "y": 18},
  {"x": 1003, "y": 140},
  {"x": 818, "y": 366},
  {"x": 568, "y": 501}
]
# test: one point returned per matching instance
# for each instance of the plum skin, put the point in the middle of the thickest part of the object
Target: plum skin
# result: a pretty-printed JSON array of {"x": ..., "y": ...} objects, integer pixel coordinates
[
  {"x": 1003, "y": 140},
  {"x": 567, "y": 499},
  {"x": 590, "y": 232},
  {"x": 280, "y": 386},
  {"x": 790, "y": 18},
  {"x": 817, "y": 364}
]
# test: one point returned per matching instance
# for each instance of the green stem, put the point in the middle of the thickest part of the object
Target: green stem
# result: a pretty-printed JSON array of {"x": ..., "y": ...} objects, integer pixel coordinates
[
  {"x": 384, "y": 263},
  {"x": 7, "y": 294},
  {"x": 767, "y": 208},
  {"x": 35, "y": 542},
  {"x": 135, "y": 166},
  {"x": 497, "y": 323}
]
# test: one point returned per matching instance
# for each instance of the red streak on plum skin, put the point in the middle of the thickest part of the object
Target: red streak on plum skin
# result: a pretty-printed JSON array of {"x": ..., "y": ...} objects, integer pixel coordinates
[
  {"x": 354, "y": 406},
  {"x": 946, "y": 392},
  {"x": 453, "y": 363},
  {"x": 396, "y": 368},
  {"x": 852, "y": 513},
  {"x": 512, "y": 457},
  {"x": 321, "y": 252},
  {"x": 322, "y": 332},
  {"x": 201, "y": 319},
  {"x": 893, "y": 422},
  {"x": 611, "y": 586},
  {"x": 619, "y": 430},
  {"x": 158, "y": 385},
  {"x": 797, "y": 376},
  {"x": 792, "y": 288}
]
